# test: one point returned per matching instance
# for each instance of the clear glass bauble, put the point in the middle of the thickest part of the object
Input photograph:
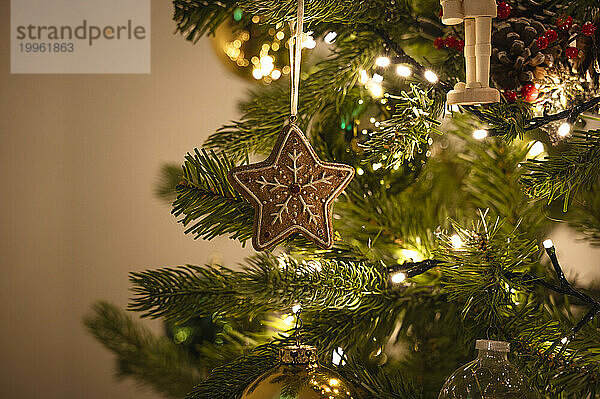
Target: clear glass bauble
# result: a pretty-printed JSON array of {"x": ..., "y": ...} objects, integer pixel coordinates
[
  {"x": 490, "y": 376},
  {"x": 299, "y": 376}
]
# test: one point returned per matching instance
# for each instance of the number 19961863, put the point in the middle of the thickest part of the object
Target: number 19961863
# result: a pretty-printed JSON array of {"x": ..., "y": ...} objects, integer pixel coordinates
[{"x": 46, "y": 47}]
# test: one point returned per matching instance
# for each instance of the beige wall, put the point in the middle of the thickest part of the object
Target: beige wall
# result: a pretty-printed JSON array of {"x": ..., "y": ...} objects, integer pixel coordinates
[{"x": 79, "y": 157}]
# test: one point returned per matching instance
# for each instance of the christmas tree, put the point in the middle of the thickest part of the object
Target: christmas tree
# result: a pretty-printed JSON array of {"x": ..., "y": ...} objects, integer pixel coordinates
[{"x": 440, "y": 238}]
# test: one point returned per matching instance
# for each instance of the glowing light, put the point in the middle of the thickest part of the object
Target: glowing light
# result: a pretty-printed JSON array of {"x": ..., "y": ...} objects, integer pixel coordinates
[
  {"x": 237, "y": 14},
  {"x": 288, "y": 320},
  {"x": 376, "y": 166},
  {"x": 372, "y": 120},
  {"x": 431, "y": 76},
  {"x": 536, "y": 149},
  {"x": 338, "y": 357},
  {"x": 257, "y": 74},
  {"x": 456, "y": 241},
  {"x": 564, "y": 340},
  {"x": 548, "y": 243},
  {"x": 266, "y": 65},
  {"x": 409, "y": 253},
  {"x": 480, "y": 134},
  {"x": 377, "y": 78},
  {"x": 376, "y": 90},
  {"x": 564, "y": 129},
  {"x": 280, "y": 35},
  {"x": 296, "y": 308},
  {"x": 403, "y": 71},
  {"x": 308, "y": 42},
  {"x": 364, "y": 78},
  {"x": 334, "y": 382},
  {"x": 382, "y": 62},
  {"x": 360, "y": 171},
  {"x": 276, "y": 74},
  {"x": 330, "y": 37},
  {"x": 360, "y": 101},
  {"x": 399, "y": 277}
]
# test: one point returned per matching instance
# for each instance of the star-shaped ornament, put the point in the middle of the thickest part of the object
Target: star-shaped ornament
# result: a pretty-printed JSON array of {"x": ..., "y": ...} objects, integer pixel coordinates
[{"x": 292, "y": 191}]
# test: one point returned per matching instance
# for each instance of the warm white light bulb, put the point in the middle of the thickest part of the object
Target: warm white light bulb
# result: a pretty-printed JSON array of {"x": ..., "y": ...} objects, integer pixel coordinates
[
  {"x": 403, "y": 71},
  {"x": 431, "y": 76},
  {"x": 364, "y": 77},
  {"x": 564, "y": 340},
  {"x": 296, "y": 308},
  {"x": 398, "y": 278},
  {"x": 330, "y": 37},
  {"x": 456, "y": 241},
  {"x": 276, "y": 74},
  {"x": 288, "y": 320},
  {"x": 376, "y": 89},
  {"x": 308, "y": 42},
  {"x": 338, "y": 357},
  {"x": 382, "y": 62},
  {"x": 548, "y": 243},
  {"x": 376, "y": 166},
  {"x": 377, "y": 78},
  {"x": 257, "y": 73},
  {"x": 564, "y": 129},
  {"x": 480, "y": 134},
  {"x": 411, "y": 254},
  {"x": 536, "y": 149}
]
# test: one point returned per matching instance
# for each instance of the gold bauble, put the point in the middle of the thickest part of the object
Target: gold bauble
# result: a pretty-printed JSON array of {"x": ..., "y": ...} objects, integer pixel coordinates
[
  {"x": 299, "y": 376},
  {"x": 246, "y": 45}
]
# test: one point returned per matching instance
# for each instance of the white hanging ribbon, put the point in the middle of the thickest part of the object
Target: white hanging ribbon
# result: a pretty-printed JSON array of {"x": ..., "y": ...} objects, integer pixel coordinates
[{"x": 295, "y": 57}]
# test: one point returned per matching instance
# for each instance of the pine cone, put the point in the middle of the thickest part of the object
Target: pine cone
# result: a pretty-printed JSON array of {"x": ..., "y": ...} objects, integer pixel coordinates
[
  {"x": 516, "y": 57},
  {"x": 587, "y": 65}
]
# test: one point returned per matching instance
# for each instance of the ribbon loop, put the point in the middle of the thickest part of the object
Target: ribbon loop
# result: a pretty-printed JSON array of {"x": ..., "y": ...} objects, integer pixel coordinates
[{"x": 297, "y": 29}]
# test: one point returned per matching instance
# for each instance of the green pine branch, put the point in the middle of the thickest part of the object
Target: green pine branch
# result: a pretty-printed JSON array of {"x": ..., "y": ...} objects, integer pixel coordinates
[
  {"x": 409, "y": 129},
  {"x": 510, "y": 121},
  {"x": 208, "y": 204},
  {"x": 565, "y": 174},
  {"x": 230, "y": 380},
  {"x": 152, "y": 361},
  {"x": 169, "y": 178},
  {"x": 490, "y": 277},
  {"x": 492, "y": 181},
  {"x": 266, "y": 111},
  {"x": 266, "y": 283},
  {"x": 585, "y": 217},
  {"x": 195, "y": 18}
]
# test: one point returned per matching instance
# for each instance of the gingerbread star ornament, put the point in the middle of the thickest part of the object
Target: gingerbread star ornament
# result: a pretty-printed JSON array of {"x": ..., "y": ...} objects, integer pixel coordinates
[{"x": 292, "y": 191}]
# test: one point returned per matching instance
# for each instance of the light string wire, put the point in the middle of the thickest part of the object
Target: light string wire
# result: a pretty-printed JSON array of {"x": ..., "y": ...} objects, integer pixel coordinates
[{"x": 297, "y": 28}]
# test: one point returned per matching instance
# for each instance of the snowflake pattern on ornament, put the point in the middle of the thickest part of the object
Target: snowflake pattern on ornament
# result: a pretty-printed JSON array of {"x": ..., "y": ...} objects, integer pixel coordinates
[{"x": 292, "y": 191}]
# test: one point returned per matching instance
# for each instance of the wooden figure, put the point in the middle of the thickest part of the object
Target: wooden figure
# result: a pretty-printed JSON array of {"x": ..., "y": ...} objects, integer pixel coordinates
[{"x": 477, "y": 16}]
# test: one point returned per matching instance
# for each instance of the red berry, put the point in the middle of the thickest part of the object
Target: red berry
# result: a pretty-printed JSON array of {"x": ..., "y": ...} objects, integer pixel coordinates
[
  {"x": 542, "y": 42},
  {"x": 450, "y": 41},
  {"x": 565, "y": 23},
  {"x": 438, "y": 43},
  {"x": 460, "y": 46},
  {"x": 504, "y": 10},
  {"x": 510, "y": 96},
  {"x": 571, "y": 52},
  {"x": 551, "y": 35},
  {"x": 529, "y": 92},
  {"x": 588, "y": 29}
]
